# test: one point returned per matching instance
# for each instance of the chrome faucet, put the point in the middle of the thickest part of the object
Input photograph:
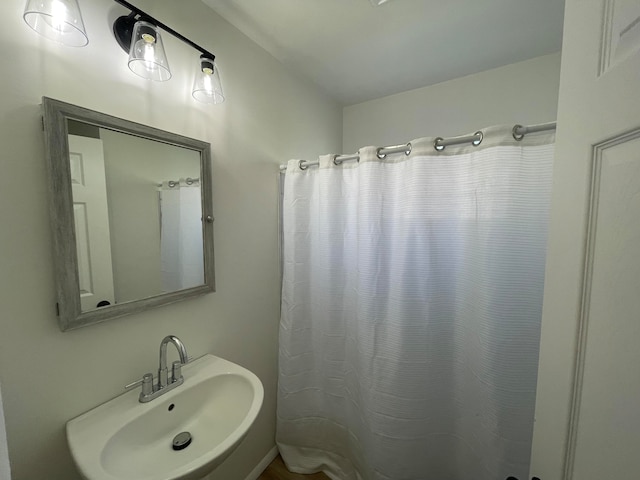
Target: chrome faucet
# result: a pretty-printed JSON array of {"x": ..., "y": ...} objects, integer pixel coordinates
[
  {"x": 163, "y": 385},
  {"x": 176, "y": 366}
]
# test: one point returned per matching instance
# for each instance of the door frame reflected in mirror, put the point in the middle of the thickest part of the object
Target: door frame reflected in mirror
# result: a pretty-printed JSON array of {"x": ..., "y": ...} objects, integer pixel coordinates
[{"x": 56, "y": 116}]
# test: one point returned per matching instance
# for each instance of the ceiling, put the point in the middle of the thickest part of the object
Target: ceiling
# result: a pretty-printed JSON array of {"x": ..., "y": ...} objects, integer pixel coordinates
[{"x": 356, "y": 51}]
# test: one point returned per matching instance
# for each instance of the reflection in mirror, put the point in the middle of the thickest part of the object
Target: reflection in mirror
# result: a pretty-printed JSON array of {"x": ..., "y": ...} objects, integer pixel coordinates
[
  {"x": 137, "y": 215},
  {"x": 130, "y": 214}
]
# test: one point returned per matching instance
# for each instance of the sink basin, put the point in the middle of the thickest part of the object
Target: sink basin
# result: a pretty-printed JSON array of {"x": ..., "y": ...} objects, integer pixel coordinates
[{"x": 124, "y": 439}]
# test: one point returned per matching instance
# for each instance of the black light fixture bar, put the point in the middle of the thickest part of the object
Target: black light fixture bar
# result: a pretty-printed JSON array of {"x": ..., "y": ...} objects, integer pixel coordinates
[{"x": 145, "y": 16}]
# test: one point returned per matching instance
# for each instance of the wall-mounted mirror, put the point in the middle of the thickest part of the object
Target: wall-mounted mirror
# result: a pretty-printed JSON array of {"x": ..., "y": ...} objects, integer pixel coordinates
[{"x": 130, "y": 212}]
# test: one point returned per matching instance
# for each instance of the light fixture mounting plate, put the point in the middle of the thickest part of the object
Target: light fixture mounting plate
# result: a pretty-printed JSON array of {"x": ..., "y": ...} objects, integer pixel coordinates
[{"x": 123, "y": 30}]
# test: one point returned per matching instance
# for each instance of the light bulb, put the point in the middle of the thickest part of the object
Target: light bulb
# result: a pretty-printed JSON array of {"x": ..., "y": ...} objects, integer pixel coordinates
[{"x": 58, "y": 14}]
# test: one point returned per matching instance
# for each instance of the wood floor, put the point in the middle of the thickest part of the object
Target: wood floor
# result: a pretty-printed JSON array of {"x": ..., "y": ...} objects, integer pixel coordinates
[{"x": 278, "y": 471}]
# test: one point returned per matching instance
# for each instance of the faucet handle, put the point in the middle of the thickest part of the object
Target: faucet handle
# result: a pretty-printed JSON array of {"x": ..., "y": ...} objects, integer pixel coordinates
[
  {"x": 146, "y": 378},
  {"x": 147, "y": 384},
  {"x": 176, "y": 371}
]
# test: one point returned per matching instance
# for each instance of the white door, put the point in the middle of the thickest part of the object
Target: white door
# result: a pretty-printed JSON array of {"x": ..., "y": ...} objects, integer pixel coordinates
[
  {"x": 91, "y": 216},
  {"x": 588, "y": 405}
]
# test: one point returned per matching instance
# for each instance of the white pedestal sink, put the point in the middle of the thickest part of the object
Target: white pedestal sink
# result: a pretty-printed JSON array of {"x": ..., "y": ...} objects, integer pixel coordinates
[{"x": 124, "y": 439}]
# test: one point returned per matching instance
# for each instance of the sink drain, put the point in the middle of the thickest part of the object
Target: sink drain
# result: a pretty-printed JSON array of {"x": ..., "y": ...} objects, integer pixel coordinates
[{"x": 181, "y": 441}]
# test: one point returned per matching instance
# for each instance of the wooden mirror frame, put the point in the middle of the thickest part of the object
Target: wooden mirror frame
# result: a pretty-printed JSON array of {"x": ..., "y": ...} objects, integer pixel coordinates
[{"x": 69, "y": 311}]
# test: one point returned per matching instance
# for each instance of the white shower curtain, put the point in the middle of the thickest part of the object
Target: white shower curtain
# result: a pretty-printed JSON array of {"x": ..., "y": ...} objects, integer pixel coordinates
[
  {"x": 5, "y": 468},
  {"x": 411, "y": 305},
  {"x": 182, "y": 258}
]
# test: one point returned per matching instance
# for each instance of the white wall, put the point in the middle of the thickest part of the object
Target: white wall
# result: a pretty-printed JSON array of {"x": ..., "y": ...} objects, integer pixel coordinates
[
  {"x": 270, "y": 116},
  {"x": 524, "y": 93}
]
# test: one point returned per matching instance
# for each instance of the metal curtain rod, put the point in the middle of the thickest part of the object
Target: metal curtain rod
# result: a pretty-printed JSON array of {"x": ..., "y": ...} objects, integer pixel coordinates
[
  {"x": 166, "y": 28},
  {"x": 518, "y": 132},
  {"x": 189, "y": 181}
]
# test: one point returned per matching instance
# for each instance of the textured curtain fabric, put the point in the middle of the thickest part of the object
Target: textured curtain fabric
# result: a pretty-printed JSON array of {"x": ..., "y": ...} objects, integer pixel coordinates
[
  {"x": 182, "y": 258},
  {"x": 5, "y": 469},
  {"x": 411, "y": 306}
]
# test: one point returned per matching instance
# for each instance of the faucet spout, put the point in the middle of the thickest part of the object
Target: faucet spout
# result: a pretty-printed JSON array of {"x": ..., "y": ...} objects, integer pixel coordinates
[{"x": 162, "y": 369}]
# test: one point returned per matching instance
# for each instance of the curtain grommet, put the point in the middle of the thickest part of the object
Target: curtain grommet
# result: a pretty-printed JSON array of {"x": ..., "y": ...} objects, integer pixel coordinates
[
  {"x": 380, "y": 155},
  {"x": 301, "y": 165},
  {"x": 517, "y": 136},
  {"x": 436, "y": 144},
  {"x": 407, "y": 152},
  {"x": 336, "y": 161},
  {"x": 477, "y": 142}
]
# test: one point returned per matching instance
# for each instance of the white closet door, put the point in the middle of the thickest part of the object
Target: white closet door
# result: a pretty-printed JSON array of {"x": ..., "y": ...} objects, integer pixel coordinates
[
  {"x": 588, "y": 404},
  {"x": 91, "y": 216}
]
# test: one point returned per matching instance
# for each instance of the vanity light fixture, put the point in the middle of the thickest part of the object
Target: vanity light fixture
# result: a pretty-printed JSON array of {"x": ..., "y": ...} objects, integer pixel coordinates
[
  {"x": 57, "y": 20},
  {"x": 139, "y": 35}
]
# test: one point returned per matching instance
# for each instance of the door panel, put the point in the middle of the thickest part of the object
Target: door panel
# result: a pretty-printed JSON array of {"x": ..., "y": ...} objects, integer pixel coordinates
[
  {"x": 606, "y": 441},
  {"x": 587, "y": 426}
]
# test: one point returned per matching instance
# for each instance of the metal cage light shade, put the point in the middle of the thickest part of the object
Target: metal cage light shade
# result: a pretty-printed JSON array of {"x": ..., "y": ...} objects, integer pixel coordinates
[
  {"x": 206, "y": 86},
  {"x": 57, "y": 20},
  {"x": 146, "y": 55}
]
